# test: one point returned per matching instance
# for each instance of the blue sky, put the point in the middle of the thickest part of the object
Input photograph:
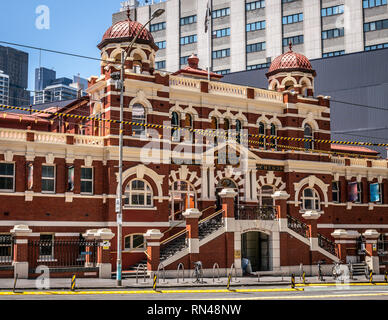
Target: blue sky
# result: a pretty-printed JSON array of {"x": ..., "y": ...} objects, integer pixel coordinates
[{"x": 75, "y": 27}]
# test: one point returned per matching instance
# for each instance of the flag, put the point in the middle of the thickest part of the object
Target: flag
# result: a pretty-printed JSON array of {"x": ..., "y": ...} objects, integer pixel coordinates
[
  {"x": 208, "y": 16},
  {"x": 352, "y": 191},
  {"x": 374, "y": 192}
]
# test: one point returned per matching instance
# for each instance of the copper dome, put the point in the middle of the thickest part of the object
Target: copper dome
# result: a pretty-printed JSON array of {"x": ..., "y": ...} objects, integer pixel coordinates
[{"x": 124, "y": 31}]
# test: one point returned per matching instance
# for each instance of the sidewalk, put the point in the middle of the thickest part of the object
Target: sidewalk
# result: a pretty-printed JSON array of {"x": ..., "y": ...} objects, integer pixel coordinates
[{"x": 64, "y": 284}]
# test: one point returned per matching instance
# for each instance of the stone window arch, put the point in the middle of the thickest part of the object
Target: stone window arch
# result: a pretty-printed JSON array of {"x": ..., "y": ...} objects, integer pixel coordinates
[{"x": 310, "y": 200}]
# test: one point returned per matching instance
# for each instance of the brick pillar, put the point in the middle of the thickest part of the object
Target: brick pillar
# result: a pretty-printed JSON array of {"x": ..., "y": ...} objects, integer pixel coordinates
[
  {"x": 371, "y": 258},
  {"x": 346, "y": 242},
  {"x": 103, "y": 253},
  {"x": 192, "y": 216},
  {"x": 227, "y": 197},
  {"x": 21, "y": 234},
  {"x": 90, "y": 236},
  {"x": 153, "y": 248},
  {"x": 281, "y": 198}
]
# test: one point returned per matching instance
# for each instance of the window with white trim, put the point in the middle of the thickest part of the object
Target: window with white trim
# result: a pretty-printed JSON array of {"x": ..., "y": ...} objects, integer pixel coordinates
[
  {"x": 273, "y": 142},
  {"x": 262, "y": 140},
  {"x": 359, "y": 192},
  {"x": 138, "y": 193},
  {"x": 336, "y": 191},
  {"x": 7, "y": 176},
  {"x": 175, "y": 133},
  {"x": 310, "y": 200},
  {"x": 48, "y": 178},
  {"x": 87, "y": 180},
  {"x": 308, "y": 134},
  {"x": 138, "y": 116},
  {"x": 265, "y": 195},
  {"x": 5, "y": 248},
  {"x": 134, "y": 241},
  {"x": 183, "y": 196}
]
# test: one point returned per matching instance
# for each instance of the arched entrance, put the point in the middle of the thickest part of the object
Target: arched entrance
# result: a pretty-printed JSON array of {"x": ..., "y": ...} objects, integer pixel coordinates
[
  {"x": 223, "y": 184},
  {"x": 255, "y": 248}
]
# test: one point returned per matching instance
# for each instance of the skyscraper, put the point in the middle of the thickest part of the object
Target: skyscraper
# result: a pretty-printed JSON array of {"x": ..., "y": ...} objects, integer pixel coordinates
[
  {"x": 14, "y": 63},
  {"x": 4, "y": 88},
  {"x": 43, "y": 78}
]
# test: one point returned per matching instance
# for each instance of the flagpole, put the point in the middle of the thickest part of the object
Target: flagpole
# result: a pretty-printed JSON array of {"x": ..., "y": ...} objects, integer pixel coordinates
[{"x": 209, "y": 31}]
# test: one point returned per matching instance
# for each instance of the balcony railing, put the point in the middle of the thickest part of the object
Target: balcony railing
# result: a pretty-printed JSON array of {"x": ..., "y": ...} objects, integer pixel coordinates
[{"x": 244, "y": 212}]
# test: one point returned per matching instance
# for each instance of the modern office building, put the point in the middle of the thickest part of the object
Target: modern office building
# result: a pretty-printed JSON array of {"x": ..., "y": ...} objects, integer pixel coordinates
[
  {"x": 43, "y": 78},
  {"x": 4, "y": 88},
  {"x": 61, "y": 89},
  {"x": 358, "y": 86},
  {"x": 247, "y": 35},
  {"x": 14, "y": 63}
]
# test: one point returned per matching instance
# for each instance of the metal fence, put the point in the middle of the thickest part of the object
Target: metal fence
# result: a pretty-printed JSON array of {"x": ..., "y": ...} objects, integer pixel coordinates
[
  {"x": 298, "y": 226},
  {"x": 256, "y": 213},
  {"x": 6, "y": 249},
  {"x": 327, "y": 244},
  {"x": 62, "y": 253}
]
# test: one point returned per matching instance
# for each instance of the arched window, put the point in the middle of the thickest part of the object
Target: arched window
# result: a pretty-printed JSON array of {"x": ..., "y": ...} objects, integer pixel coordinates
[
  {"x": 265, "y": 196},
  {"x": 262, "y": 141},
  {"x": 226, "y": 128},
  {"x": 138, "y": 116},
  {"x": 310, "y": 200},
  {"x": 214, "y": 126},
  {"x": 183, "y": 197},
  {"x": 238, "y": 131},
  {"x": 188, "y": 126},
  {"x": 308, "y": 134},
  {"x": 134, "y": 242},
  {"x": 175, "y": 134},
  {"x": 274, "y": 142},
  {"x": 138, "y": 193}
]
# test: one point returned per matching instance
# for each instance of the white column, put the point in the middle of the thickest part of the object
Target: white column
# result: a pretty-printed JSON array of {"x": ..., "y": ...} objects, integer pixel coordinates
[
  {"x": 237, "y": 36},
  {"x": 204, "y": 191},
  {"x": 254, "y": 185},
  {"x": 312, "y": 29},
  {"x": 173, "y": 33},
  {"x": 211, "y": 184},
  {"x": 354, "y": 26},
  {"x": 274, "y": 30},
  {"x": 248, "y": 195}
]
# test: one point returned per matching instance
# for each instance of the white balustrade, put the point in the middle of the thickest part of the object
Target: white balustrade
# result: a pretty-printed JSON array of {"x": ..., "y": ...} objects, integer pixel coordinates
[
  {"x": 89, "y": 141},
  {"x": 227, "y": 89},
  {"x": 261, "y": 94},
  {"x": 46, "y": 137},
  {"x": 338, "y": 161},
  {"x": 14, "y": 135},
  {"x": 358, "y": 162},
  {"x": 379, "y": 163},
  {"x": 185, "y": 83}
]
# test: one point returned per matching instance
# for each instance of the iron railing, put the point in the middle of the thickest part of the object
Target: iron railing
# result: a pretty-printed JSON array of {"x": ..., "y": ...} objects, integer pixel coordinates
[
  {"x": 298, "y": 226},
  {"x": 256, "y": 213},
  {"x": 63, "y": 253},
  {"x": 173, "y": 244},
  {"x": 327, "y": 244},
  {"x": 6, "y": 249},
  {"x": 210, "y": 224}
]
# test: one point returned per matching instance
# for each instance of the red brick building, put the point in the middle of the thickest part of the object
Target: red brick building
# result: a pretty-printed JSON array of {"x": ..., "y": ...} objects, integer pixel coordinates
[{"x": 199, "y": 183}]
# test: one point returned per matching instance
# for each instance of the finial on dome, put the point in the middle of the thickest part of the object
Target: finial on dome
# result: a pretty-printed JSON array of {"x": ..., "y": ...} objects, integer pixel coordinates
[
  {"x": 290, "y": 45},
  {"x": 129, "y": 13}
]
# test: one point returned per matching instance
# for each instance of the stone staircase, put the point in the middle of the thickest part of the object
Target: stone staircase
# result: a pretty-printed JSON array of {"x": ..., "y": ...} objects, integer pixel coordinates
[
  {"x": 176, "y": 244},
  {"x": 360, "y": 269},
  {"x": 210, "y": 226},
  {"x": 131, "y": 272}
]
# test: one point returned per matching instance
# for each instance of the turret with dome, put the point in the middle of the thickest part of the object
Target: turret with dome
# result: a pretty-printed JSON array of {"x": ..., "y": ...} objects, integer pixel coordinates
[{"x": 293, "y": 72}]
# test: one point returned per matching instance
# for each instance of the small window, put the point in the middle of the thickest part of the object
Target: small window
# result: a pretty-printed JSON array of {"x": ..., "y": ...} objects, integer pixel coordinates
[
  {"x": 139, "y": 120},
  {"x": 175, "y": 133},
  {"x": 5, "y": 248},
  {"x": 273, "y": 142},
  {"x": 336, "y": 191},
  {"x": 48, "y": 178},
  {"x": 7, "y": 176},
  {"x": 134, "y": 241},
  {"x": 262, "y": 140},
  {"x": 359, "y": 192},
  {"x": 238, "y": 131},
  {"x": 308, "y": 134},
  {"x": 310, "y": 200},
  {"x": 138, "y": 194},
  {"x": 87, "y": 180}
]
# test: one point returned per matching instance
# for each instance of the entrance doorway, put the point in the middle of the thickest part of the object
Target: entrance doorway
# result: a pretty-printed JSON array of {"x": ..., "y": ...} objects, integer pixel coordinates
[
  {"x": 255, "y": 248},
  {"x": 223, "y": 184}
]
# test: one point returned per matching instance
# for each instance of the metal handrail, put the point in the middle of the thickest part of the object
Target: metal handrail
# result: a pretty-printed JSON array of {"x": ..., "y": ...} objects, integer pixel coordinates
[
  {"x": 144, "y": 272},
  {"x": 211, "y": 216},
  {"x": 173, "y": 237}
]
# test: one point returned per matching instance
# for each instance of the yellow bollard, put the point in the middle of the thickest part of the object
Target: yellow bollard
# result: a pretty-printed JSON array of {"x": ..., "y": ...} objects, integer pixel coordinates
[
  {"x": 386, "y": 277},
  {"x": 229, "y": 278},
  {"x": 293, "y": 281},
  {"x": 72, "y": 288},
  {"x": 155, "y": 278},
  {"x": 370, "y": 277},
  {"x": 304, "y": 277}
]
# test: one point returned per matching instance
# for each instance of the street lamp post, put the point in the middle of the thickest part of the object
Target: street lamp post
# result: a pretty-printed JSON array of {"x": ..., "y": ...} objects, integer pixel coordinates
[{"x": 119, "y": 204}]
